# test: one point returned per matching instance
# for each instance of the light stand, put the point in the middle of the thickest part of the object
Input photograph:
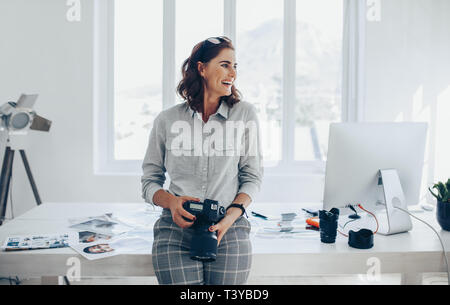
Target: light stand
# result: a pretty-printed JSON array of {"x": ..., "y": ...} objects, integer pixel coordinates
[{"x": 5, "y": 179}]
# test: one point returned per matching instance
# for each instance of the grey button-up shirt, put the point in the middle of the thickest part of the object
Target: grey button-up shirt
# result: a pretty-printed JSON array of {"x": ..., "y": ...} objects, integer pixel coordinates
[{"x": 215, "y": 160}]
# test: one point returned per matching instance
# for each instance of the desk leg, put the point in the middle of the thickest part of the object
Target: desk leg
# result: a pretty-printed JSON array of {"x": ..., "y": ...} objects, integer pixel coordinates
[
  {"x": 412, "y": 279},
  {"x": 52, "y": 280}
]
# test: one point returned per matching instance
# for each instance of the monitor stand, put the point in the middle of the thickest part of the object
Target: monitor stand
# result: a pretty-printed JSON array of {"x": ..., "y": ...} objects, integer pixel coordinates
[{"x": 392, "y": 220}]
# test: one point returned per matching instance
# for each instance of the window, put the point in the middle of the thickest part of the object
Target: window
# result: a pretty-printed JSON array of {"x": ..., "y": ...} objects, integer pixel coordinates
[
  {"x": 261, "y": 26},
  {"x": 137, "y": 74},
  {"x": 319, "y": 28},
  {"x": 289, "y": 54},
  {"x": 259, "y": 52}
]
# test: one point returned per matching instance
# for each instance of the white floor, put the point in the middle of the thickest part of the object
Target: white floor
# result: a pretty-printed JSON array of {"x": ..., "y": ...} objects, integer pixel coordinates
[{"x": 385, "y": 279}]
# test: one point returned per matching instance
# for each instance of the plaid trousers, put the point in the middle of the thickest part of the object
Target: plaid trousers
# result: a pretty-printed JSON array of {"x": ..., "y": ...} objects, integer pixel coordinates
[{"x": 173, "y": 265}]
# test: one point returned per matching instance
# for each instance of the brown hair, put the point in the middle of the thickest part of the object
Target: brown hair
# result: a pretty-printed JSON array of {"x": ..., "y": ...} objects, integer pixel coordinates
[{"x": 191, "y": 87}]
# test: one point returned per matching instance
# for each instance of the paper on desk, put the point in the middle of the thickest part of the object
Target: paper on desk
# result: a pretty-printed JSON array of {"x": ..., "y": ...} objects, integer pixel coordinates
[
  {"x": 295, "y": 233},
  {"x": 144, "y": 218},
  {"x": 89, "y": 237},
  {"x": 281, "y": 229},
  {"x": 103, "y": 224},
  {"x": 40, "y": 241},
  {"x": 107, "y": 248}
]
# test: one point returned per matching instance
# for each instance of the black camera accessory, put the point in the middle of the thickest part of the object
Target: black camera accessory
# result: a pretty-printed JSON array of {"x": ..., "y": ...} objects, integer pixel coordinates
[
  {"x": 239, "y": 206},
  {"x": 204, "y": 242},
  {"x": 363, "y": 239},
  {"x": 328, "y": 223},
  {"x": 353, "y": 216}
]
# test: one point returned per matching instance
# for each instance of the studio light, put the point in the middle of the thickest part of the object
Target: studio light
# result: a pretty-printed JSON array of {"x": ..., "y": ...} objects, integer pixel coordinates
[{"x": 18, "y": 118}]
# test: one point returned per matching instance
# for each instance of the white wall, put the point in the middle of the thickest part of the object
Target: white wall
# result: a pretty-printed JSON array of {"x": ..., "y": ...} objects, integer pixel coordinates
[
  {"x": 408, "y": 73},
  {"x": 41, "y": 52}
]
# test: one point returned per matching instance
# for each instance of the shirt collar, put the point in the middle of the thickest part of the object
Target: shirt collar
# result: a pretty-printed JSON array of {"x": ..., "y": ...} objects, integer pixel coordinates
[{"x": 223, "y": 110}]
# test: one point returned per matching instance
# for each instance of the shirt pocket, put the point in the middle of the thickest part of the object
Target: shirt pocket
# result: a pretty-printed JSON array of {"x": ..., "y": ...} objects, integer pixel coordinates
[
  {"x": 225, "y": 160},
  {"x": 180, "y": 161}
]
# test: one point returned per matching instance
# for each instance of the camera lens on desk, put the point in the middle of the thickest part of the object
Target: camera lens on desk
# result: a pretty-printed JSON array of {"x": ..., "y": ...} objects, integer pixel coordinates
[{"x": 328, "y": 223}]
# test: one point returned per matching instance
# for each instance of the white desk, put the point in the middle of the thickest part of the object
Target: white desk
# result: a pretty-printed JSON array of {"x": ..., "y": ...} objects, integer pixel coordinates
[{"x": 410, "y": 253}]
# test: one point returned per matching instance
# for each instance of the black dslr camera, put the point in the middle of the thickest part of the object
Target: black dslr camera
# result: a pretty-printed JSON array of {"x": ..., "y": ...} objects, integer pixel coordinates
[{"x": 204, "y": 242}]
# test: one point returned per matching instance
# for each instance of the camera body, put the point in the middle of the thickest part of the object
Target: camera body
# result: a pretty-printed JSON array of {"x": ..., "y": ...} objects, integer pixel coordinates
[
  {"x": 208, "y": 211},
  {"x": 204, "y": 242}
]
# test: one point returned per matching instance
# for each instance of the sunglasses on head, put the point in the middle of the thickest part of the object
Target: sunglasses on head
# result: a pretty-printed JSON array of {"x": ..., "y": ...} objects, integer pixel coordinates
[
  {"x": 213, "y": 41},
  {"x": 217, "y": 40}
]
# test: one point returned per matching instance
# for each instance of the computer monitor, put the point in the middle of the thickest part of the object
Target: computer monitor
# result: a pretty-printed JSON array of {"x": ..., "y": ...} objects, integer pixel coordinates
[{"x": 377, "y": 165}]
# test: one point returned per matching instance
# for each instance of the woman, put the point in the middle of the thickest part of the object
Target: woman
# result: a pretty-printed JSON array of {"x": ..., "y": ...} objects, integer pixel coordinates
[{"x": 224, "y": 165}]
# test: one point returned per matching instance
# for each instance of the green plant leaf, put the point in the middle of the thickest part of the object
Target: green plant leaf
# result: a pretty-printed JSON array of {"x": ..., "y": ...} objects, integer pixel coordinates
[
  {"x": 442, "y": 190},
  {"x": 447, "y": 185},
  {"x": 434, "y": 194}
]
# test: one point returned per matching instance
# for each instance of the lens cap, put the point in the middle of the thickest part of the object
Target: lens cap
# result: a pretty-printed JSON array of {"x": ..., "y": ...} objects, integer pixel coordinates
[{"x": 363, "y": 239}]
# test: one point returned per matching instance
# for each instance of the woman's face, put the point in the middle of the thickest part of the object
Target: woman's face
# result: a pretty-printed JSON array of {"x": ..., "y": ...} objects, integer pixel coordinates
[{"x": 219, "y": 73}]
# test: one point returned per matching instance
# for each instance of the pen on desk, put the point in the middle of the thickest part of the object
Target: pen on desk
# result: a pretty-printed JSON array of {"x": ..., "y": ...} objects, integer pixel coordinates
[
  {"x": 312, "y": 213},
  {"x": 259, "y": 215}
]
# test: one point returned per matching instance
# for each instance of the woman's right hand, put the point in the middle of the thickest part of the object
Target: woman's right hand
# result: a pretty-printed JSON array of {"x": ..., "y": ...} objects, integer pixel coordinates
[{"x": 176, "y": 208}]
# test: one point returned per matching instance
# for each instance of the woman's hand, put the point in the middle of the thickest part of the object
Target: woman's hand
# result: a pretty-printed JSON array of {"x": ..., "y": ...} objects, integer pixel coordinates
[
  {"x": 176, "y": 208},
  {"x": 222, "y": 226}
]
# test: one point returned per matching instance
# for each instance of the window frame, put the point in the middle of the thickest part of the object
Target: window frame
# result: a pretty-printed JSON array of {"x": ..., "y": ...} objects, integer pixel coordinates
[{"x": 353, "y": 84}]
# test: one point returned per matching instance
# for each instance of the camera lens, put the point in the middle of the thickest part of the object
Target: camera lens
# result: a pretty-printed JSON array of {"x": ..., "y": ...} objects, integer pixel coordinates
[
  {"x": 204, "y": 245},
  {"x": 328, "y": 222},
  {"x": 204, "y": 242}
]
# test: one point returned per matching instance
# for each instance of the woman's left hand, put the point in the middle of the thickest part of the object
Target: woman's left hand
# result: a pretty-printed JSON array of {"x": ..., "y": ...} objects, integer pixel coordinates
[{"x": 222, "y": 226}]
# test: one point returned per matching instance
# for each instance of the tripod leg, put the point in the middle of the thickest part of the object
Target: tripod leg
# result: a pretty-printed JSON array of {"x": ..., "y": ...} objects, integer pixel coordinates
[
  {"x": 30, "y": 177},
  {"x": 5, "y": 179}
]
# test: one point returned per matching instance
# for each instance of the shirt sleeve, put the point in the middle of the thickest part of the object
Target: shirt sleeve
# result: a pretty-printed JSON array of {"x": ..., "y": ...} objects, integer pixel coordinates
[
  {"x": 153, "y": 177},
  {"x": 250, "y": 163}
]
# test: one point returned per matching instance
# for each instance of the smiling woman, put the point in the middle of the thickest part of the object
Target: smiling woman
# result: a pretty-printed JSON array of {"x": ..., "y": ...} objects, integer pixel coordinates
[
  {"x": 232, "y": 180},
  {"x": 214, "y": 61}
]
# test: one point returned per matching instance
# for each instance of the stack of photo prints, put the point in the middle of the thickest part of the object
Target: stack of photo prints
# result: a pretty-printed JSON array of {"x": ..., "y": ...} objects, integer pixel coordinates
[{"x": 96, "y": 237}]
